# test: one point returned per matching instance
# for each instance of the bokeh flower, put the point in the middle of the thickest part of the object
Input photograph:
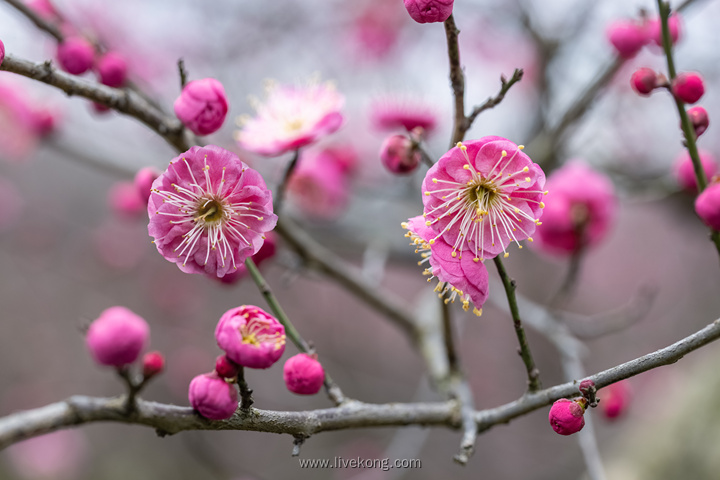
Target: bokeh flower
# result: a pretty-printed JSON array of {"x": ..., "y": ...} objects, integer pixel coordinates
[
  {"x": 209, "y": 211},
  {"x": 319, "y": 186},
  {"x": 117, "y": 337},
  {"x": 250, "y": 336},
  {"x": 389, "y": 114},
  {"x": 685, "y": 171},
  {"x": 292, "y": 117}
]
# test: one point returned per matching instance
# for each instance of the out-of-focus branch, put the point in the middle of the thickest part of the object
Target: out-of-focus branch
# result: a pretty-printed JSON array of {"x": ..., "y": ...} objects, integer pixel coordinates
[
  {"x": 124, "y": 101},
  {"x": 40, "y": 22},
  {"x": 457, "y": 80},
  {"x": 281, "y": 190},
  {"x": 170, "y": 419}
]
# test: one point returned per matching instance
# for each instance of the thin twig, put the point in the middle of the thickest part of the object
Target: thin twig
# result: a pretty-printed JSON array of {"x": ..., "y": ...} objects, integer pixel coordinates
[
  {"x": 246, "y": 400},
  {"x": 182, "y": 72},
  {"x": 457, "y": 80},
  {"x": 493, "y": 101},
  {"x": 40, "y": 22},
  {"x": 532, "y": 372},
  {"x": 281, "y": 190},
  {"x": 450, "y": 350}
]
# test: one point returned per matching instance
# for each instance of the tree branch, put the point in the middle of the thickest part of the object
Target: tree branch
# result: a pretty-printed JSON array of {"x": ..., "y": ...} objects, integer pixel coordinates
[
  {"x": 492, "y": 102},
  {"x": 457, "y": 80}
]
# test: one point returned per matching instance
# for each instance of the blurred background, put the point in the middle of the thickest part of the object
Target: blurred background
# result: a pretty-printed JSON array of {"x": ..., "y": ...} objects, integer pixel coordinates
[{"x": 70, "y": 248}]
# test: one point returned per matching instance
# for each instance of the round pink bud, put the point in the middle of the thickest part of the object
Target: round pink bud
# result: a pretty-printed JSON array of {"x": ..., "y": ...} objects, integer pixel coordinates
[
  {"x": 225, "y": 367},
  {"x": 644, "y": 80},
  {"x": 398, "y": 156},
  {"x": 615, "y": 399},
  {"x": 566, "y": 417},
  {"x": 586, "y": 386},
  {"x": 685, "y": 171},
  {"x": 117, "y": 337},
  {"x": 153, "y": 363},
  {"x": 655, "y": 29},
  {"x": 429, "y": 11},
  {"x": 303, "y": 374},
  {"x": 143, "y": 181},
  {"x": 2, "y": 52},
  {"x": 627, "y": 36},
  {"x": 699, "y": 118},
  {"x": 112, "y": 69},
  {"x": 688, "y": 87},
  {"x": 707, "y": 206},
  {"x": 250, "y": 337},
  {"x": 125, "y": 200},
  {"x": 213, "y": 397},
  {"x": 75, "y": 55},
  {"x": 202, "y": 106}
]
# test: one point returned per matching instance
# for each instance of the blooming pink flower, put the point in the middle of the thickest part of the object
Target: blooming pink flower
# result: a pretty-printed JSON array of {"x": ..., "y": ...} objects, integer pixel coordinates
[
  {"x": 654, "y": 29},
  {"x": 291, "y": 118},
  {"x": 143, "y": 181},
  {"x": 699, "y": 118},
  {"x": 460, "y": 275},
  {"x": 319, "y": 186},
  {"x": 627, "y": 36},
  {"x": 581, "y": 206},
  {"x": 76, "y": 55},
  {"x": 644, "y": 80},
  {"x": 398, "y": 155},
  {"x": 707, "y": 206},
  {"x": 566, "y": 416},
  {"x": 225, "y": 367},
  {"x": 124, "y": 199},
  {"x": 303, "y": 374},
  {"x": 152, "y": 364},
  {"x": 202, "y": 106},
  {"x": 117, "y": 337},
  {"x": 685, "y": 171},
  {"x": 391, "y": 114},
  {"x": 209, "y": 211},
  {"x": 481, "y": 196},
  {"x": 213, "y": 397},
  {"x": 266, "y": 252},
  {"x": 250, "y": 337},
  {"x": 688, "y": 87},
  {"x": 615, "y": 399},
  {"x": 112, "y": 69},
  {"x": 429, "y": 11}
]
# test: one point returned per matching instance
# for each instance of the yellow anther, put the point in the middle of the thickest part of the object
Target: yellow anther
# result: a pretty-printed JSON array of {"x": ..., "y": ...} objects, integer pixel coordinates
[
  {"x": 542, "y": 204},
  {"x": 454, "y": 254},
  {"x": 432, "y": 241},
  {"x": 526, "y": 169},
  {"x": 427, "y": 194},
  {"x": 477, "y": 311},
  {"x": 428, "y": 223},
  {"x": 466, "y": 166},
  {"x": 507, "y": 254},
  {"x": 530, "y": 239},
  {"x": 434, "y": 180},
  {"x": 459, "y": 144},
  {"x": 476, "y": 259},
  {"x": 528, "y": 179},
  {"x": 503, "y": 153},
  {"x": 520, "y": 247},
  {"x": 520, "y": 147}
]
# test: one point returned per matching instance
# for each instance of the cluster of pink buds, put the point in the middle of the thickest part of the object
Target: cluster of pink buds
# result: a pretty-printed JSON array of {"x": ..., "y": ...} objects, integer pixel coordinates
[
  {"x": 629, "y": 36},
  {"x": 77, "y": 55},
  {"x": 118, "y": 337}
]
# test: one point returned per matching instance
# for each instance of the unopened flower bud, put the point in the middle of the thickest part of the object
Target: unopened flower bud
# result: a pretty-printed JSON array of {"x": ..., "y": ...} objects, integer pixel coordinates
[
  {"x": 644, "y": 80},
  {"x": 143, "y": 181},
  {"x": 685, "y": 171},
  {"x": 429, "y": 11},
  {"x": 117, "y": 337},
  {"x": 655, "y": 29},
  {"x": 213, "y": 397},
  {"x": 75, "y": 55},
  {"x": 303, "y": 374},
  {"x": 226, "y": 368},
  {"x": 707, "y": 206},
  {"x": 153, "y": 363},
  {"x": 250, "y": 337},
  {"x": 112, "y": 69},
  {"x": 202, "y": 106},
  {"x": 688, "y": 87},
  {"x": 566, "y": 416},
  {"x": 398, "y": 155},
  {"x": 699, "y": 118},
  {"x": 627, "y": 36}
]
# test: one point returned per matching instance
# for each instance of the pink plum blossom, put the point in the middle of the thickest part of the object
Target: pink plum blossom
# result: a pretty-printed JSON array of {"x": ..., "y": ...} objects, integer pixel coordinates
[
  {"x": 76, "y": 55},
  {"x": 615, "y": 399},
  {"x": 685, "y": 171},
  {"x": 429, "y": 11},
  {"x": 376, "y": 29},
  {"x": 202, "y": 106},
  {"x": 117, "y": 337},
  {"x": 143, "y": 181},
  {"x": 213, "y": 397},
  {"x": 581, "y": 207},
  {"x": 627, "y": 36},
  {"x": 303, "y": 374},
  {"x": 209, "y": 211},
  {"x": 250, "y": 337},
  {"x": 398, "y": 155},
  {"x": 707, "y": 206},
  {"x": 58, "y": 456},
  {"x": 292, "y": 117},
  {"x": 319, "y": 186},
  {"x": 112, "y": 69},
  {"x": 566, "y": 416},
  {"x": 461, "y": 275},
  {"x": 654, "y": 29},
  {"x": 391, "y": 114},
  {"x": 481, "y": 196}
]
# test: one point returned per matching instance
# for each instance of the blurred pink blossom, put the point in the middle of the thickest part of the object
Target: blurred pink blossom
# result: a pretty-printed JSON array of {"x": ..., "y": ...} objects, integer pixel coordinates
[
  {"x": 627, "y": 36},
  {"x": 54, "y": 456},
  {"x": 615, "y": 399},
  {"x": 685, "y": 171},
  {"x": 390, "y": 114},
  {"x": 319, "y": 185},
  {"x": 117, "y": 337},
  {"x": 124, "y": 200},
  {"x": 76, "y": 55}
]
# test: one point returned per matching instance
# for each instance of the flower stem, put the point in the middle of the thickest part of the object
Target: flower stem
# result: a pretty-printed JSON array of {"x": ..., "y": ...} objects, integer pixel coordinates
[
  {"x": 688, "y": 130},
  {"x": 245, "y": 391},
  {"x": 450, "y": 350},
  {"x": 532, "y": 372},
  {"x": 291, "y": 332},
  {"x": 457, "y": 80},
  {"x": 280, "y": 194}
]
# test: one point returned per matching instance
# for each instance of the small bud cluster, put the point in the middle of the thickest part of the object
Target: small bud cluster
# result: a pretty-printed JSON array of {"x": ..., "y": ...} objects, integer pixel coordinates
[
  {"x": 629, "y": 36},
  {"x": 567, "y": 416}
]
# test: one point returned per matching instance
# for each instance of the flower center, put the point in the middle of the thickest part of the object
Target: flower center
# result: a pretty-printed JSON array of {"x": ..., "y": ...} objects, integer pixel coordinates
[{"x": 209, "y": 210}]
